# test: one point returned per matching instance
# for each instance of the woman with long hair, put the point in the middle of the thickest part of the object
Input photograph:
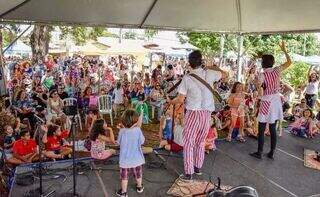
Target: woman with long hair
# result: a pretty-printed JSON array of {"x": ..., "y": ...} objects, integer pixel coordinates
[{"x": 99, "y": 136}]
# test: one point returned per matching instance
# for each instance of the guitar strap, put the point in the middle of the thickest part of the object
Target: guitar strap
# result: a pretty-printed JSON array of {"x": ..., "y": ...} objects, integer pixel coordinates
[{"x": 215, "y": 93}]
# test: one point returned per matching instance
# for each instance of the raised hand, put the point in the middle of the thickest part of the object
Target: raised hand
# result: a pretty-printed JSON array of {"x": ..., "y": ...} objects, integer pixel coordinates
[{"x": 283, "y": 46}]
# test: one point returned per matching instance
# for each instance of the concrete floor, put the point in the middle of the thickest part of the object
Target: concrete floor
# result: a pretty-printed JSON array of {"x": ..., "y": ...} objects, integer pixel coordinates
[{"x": 284, "y": 176}]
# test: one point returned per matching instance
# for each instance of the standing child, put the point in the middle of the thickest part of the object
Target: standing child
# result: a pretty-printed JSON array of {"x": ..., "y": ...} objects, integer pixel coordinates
[
  {"x": 118, "y": 98},
  {"x": 100, "y": 134},
  {"x": 237, "y": 105},
  {"x": 131, "y": 156}
]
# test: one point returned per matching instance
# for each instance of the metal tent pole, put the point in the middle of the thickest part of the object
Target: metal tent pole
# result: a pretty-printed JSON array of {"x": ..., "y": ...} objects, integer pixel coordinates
[
  {"x": 222, "y": 39},
  {"x": 239, "y": 59}
]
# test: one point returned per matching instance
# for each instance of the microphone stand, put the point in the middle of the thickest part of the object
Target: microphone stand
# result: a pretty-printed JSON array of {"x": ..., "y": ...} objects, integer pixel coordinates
[
  {"x": 74, "y": 172},
  {"x": 39, "y": 191}
]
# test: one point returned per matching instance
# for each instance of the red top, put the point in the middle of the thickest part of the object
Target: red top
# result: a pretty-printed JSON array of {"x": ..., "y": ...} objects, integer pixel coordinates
[
  {"x": 24, "y": 147},
  {"x": 53, "y": 143},
  {"x": 64, "y": 134},
  {"x": 212, "y": 133}
]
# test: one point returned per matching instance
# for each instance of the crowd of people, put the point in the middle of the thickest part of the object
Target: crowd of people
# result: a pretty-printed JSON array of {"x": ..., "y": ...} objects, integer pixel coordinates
[{"x": 38, "y": 92}]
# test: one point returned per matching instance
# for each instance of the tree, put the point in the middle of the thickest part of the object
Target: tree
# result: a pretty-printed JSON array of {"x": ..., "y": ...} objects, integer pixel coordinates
[
  {"x": 9, "y": 33},
  {"x": 81, "y": 34},
  {"x": 130, "y": 35},
  {"x": 208, "y": 43},
  {"x": 39, "y": 41},
  {"x": 150, "y": 33},
  {"x": 297, "y": 74}
]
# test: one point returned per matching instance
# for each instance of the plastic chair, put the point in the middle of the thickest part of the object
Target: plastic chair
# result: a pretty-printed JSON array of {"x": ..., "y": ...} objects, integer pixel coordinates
[
  {"x": 105, "y": 106},
  {"x": 73, "y": 102}
]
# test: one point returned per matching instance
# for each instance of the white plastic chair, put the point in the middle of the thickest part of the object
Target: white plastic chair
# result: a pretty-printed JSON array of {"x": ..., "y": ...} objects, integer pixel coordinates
[
  {"x": 72, "y": 102},
  {"x": 105, "y": 106}
]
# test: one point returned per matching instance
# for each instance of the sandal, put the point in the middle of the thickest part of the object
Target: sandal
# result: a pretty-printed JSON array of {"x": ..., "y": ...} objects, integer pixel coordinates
[
  {"x": 241, "y": 139},
  {"x": 228, "y": 139}
]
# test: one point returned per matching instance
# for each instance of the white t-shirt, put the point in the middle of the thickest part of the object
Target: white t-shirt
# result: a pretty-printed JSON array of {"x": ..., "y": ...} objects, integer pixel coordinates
[
  {"x": 198, "y": 96},
  {"x": 118, "y": 96},
  {"x": 312, "y": 87}
]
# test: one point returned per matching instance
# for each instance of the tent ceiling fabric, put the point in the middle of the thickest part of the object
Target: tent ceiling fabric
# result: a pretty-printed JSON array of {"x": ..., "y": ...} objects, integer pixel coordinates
[{"x": 198, "y": 15}]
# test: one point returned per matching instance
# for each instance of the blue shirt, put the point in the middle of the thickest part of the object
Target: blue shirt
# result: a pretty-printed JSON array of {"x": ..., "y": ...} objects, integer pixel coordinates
[
  {"x": 130, "y": 141},
  {"x": 167, "y": 130}
]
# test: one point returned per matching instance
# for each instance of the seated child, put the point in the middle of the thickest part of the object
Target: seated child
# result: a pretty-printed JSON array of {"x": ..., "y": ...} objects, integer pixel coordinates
[
  {"x": 225, "y": 119},
  {"x": 210, "y": 139},
  {"x": 92, "y": 116},
  {"x": 251, "y": 128},
  {"x": 303, "y": 127},
  {"x": 100, "y": 134},
  {"x": 175, "y": 144},
  {"x": 118, "y": 95},
  {"x": 25, "y": 149},
  {"x": 9, "y": 140},
  {"x": 56, "y": 146},
  {"x": 165, "y": 127},
  {"x": 131, "y": 157}
]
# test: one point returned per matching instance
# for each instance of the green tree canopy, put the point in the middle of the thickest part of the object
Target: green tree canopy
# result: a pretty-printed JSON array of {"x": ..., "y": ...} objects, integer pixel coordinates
[
  {"x": 297, "y": 74},
  {"x": 81, "y": 34},
  {"x": 209, "y": 43}
]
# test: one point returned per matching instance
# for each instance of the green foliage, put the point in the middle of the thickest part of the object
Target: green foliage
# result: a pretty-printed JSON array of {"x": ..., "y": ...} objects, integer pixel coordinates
[
  {"x": 130, "y": 35},
  {"x": 209, "y": 43},
  {"x": 9, "y": 33},
  {"x": 296, "y": 74},
  {"x": 150, "y": 33},
  {"x": 81, "y": 34}
]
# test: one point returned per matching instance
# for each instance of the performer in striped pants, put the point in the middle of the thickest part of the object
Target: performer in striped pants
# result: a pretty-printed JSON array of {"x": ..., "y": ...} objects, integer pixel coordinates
[
  {"x": 199, "y": 104},
  {"x": 269, "y": 85}
]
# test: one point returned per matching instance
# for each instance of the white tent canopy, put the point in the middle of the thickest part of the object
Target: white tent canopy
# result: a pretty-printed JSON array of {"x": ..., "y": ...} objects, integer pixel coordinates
[{"x": 209, "y": 15}]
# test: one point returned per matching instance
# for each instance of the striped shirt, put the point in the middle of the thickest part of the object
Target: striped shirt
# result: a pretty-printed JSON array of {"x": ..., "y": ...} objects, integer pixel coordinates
[{"x": 271, "y": 81}]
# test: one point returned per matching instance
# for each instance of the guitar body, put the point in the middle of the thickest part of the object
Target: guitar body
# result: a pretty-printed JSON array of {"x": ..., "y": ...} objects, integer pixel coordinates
[{"x": 241, "y": 191}]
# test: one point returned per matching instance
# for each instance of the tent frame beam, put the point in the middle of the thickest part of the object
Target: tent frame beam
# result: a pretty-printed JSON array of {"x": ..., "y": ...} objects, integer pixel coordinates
[
  {"x": 15, "y": 40},
  {"x": 148, "y": 13},
  {"x": 129, "y": 26},
  {"x": 14, "y": 8}
]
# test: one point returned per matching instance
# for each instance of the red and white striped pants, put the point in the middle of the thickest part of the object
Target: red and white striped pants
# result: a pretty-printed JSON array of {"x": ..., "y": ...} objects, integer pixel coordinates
[{"x": 196, "y": 128}]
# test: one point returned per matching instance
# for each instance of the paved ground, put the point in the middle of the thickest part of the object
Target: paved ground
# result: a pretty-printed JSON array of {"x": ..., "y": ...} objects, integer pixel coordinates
[{"x": 284, "y": 176}]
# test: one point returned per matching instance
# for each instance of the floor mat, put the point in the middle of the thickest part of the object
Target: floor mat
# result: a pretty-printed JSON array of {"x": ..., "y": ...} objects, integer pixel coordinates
[
  {"x": 182, "y": 188},
  {"x": 309, "y": 159}
]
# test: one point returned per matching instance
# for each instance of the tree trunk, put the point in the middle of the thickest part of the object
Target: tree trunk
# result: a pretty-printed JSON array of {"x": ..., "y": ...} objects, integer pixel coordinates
[{"x": 39, "y": 42}]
